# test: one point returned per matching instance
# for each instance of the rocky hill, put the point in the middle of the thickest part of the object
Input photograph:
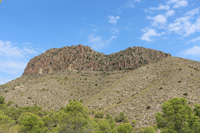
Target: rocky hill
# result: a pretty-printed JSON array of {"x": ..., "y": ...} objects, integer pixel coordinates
[
  {"x": 84, "y": 58},
  {"x": 139, "y": 93}
]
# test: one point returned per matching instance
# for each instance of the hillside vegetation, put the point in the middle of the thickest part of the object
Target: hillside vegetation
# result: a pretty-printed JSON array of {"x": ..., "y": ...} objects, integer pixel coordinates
[
  {"x": 137, "y": 92},
  {"x": 75, "y": 118}
]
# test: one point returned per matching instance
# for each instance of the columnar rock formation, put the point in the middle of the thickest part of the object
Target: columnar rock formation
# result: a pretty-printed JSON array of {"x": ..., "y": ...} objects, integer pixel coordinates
[{"x": 84, "y": 58}]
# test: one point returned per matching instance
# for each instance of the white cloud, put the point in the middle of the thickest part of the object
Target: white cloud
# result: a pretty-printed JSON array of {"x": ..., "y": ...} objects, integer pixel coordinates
[
  {"x": 178, "y": 24},
  {"x": 29, "y": 51},
  {"x": 148, "y": 33},
  {"x": 194, "y": 51},
  {"x": 8, "y": 49},
  {"x": 160, "y": 7},
  {"x": 97, "y": 42},
  {"x": 169, "y": 13},
  {"x": 195, "y": 39},
  {"x": 184, "y": 26},
  {"x": 113, "y": 19},
  {"x": 159, "y": 19},
  {"x": 184, "y": 23},
  {"x": 178, "y": 3},
  {"x": 11, "y": 50},
  {"x": 193, "y": 12},
  {"x": 129, "y": 4},
  {"x": 13, "y": 59}
]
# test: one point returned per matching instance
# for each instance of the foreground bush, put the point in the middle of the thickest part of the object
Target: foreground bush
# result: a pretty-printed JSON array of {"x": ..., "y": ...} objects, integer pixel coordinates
[
  {"x": 30, "y": 122},
  {"x": 125, "y": 128},
  {"x": 178, "y": 117}
]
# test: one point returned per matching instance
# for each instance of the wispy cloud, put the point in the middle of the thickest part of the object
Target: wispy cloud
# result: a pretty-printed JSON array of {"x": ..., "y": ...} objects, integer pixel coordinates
[
  {"x": 195, "y": 39},
  {"x": 130, "y": 4},
  {"x": 160, "y": 7},
  {"x": 178, "y": 3},
  {"x": 191, "y": 53},
  {"x": 7, "y": 49},
  {"x": 193, "y": 12},
  {"x": 113, "y": 19},
  {"x": 29, "y": 51},
  {"x": 11, "y": 50},
  {"x": 171, "y": 4},
  {"x": 97, "y": 42},
  {"x": 169, "y": 13},
  {"x": 13, "y": 59},
  {"x": 184, "y": 24},
  {"x": 149, "y": 33},
  {"x": 194, "y": 51},
  {"x": 159, "y": 20}
]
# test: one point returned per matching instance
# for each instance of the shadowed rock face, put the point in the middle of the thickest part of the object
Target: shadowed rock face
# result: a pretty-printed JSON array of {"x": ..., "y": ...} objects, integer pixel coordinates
[{"x": 84, "y": 58}]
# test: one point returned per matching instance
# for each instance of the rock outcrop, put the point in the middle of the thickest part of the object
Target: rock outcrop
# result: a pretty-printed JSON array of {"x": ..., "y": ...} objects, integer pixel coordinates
[{"x": 84, "y": 58}]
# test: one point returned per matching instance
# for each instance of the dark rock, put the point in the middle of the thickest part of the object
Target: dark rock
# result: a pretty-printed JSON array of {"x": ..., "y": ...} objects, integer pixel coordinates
[{"x": 84, "y": 58}]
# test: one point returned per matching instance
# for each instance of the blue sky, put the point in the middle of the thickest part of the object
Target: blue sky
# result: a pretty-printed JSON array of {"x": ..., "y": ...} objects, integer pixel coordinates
[{"x": 29, "y": 27}]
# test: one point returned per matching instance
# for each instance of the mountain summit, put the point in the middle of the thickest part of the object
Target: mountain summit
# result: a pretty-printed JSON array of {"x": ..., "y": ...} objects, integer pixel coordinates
[{"x": 84, "y": 58}]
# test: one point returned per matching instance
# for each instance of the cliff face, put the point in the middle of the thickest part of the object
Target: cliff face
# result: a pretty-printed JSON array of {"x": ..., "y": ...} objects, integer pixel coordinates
[{"x": 84, "y": 58}]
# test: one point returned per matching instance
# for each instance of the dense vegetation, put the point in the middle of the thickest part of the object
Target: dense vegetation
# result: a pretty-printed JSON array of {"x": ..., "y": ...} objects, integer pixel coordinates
[
  {"x": 73, "y": 118},
  {"x": 176, "y": 117}
]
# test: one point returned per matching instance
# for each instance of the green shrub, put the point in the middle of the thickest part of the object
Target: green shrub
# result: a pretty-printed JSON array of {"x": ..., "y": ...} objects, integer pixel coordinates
[
  {"x": 178, "y": 117},
  {"x": 133, "y": 122},
  {"x": 30, "y": 122},
  {"x": 185, "y": 94},
  {"x": 125, "y": 128},
  {"x": 2, "y": 100},
  {"x": 6, "y": 123},
  {"x": 104, "y": 127},
  {"x": 121, "y": 118},
  {"x": 148, "y": 130},
  {"x": 119, "y": 102},
  {"x": 9, "y": 103},
  {"x": 66, "y": 78},
  {"x": 99, "y": 115},
  {"x": 148, "y": 107},
  {"x": 108, "y": 116}
]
